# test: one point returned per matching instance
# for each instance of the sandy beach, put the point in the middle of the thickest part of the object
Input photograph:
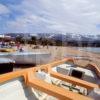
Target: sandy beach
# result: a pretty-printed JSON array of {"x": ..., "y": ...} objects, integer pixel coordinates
[{"x": 59, "y": 52}]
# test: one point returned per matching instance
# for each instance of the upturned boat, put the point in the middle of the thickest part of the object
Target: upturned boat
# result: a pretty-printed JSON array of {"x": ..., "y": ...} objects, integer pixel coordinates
[{"x": 25, "y": 57}]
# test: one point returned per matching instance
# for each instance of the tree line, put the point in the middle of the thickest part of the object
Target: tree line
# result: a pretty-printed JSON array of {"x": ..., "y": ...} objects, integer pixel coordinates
[{"x": 52, "y": 42}]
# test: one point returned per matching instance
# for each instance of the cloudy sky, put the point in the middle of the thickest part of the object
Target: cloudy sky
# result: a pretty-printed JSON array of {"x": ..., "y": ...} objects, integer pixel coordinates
[{"x": 75, "y": 16}]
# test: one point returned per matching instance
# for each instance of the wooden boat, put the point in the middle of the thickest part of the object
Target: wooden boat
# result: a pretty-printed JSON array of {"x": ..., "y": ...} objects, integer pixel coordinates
[
  {"x": 7, "y": 50},
  {"x": 25, "y": 57},
  {"x": 58, "y": 80}
]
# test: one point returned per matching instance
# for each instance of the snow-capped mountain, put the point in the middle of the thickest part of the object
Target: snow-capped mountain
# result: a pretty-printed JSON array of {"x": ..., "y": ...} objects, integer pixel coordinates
[{"x": 59, "y": 36}]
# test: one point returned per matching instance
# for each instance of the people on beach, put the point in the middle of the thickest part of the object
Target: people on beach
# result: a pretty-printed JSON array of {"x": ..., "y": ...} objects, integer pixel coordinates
[
  {"x": 18, "y": 46},
  {"x": 21, "y": 49}
]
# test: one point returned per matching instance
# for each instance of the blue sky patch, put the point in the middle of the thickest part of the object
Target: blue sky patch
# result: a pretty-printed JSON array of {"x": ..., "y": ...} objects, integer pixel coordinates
[{"x": 72, "y": 16}]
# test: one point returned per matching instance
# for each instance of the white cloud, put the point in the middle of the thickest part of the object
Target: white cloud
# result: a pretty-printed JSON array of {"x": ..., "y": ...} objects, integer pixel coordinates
[
  {"x": 4, "y": 9},
  {"x": 77, "y": 16}
]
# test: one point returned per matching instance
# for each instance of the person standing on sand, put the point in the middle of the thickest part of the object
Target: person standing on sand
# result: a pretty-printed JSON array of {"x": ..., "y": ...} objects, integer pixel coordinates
[
  {"x": 21, "y": 49},
  {"x": 18, "y": 45}
]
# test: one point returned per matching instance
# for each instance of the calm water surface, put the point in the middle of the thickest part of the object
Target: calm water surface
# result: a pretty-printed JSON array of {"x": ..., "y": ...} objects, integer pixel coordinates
[{"x": 90, "y": 49}]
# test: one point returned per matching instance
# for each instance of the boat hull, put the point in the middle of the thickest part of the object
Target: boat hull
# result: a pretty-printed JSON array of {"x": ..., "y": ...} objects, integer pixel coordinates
[
  {"x": 28, "y": 57},
  {"x": 6, "y": 65}
]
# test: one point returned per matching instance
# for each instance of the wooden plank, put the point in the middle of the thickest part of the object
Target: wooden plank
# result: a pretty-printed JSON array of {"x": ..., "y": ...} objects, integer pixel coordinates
[
  {"x": 94, "y": 67},
  {"x": 53, "y": 90},
  {"x": 73, "y": 80},
  {"x": 61, "y": 62},
  {"x": 9, "y": 76}
]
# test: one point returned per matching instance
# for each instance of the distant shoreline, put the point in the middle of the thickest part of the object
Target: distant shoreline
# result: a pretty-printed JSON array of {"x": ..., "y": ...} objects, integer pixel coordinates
[{"x": 95, "y": 50}]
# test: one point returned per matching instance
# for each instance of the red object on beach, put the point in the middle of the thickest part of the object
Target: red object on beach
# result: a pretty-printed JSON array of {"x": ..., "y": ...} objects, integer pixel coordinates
[{"x": 18, "y": 45}]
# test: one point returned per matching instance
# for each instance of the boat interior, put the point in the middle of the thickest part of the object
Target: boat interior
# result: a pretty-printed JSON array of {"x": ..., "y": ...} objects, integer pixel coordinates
[{"x": 61, "y": 79}]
